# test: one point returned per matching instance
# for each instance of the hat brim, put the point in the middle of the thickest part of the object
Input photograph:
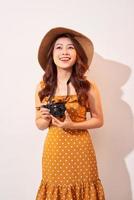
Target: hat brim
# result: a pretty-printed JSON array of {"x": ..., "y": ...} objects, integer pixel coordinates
[{"x": 51, "y": 35}]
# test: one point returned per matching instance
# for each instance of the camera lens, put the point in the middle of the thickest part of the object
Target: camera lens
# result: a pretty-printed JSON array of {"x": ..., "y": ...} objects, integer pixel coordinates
[{"x": 57, "y": 109}]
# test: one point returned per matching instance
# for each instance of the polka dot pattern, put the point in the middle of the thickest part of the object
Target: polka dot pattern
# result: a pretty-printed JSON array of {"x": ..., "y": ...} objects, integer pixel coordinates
[{"x": 69, "y": 166}]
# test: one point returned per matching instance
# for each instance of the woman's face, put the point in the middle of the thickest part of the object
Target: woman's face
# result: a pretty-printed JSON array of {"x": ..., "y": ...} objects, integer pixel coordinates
[{"x": 64, "y": 53}]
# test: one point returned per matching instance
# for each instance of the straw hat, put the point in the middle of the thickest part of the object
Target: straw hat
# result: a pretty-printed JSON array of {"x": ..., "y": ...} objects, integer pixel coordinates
[{"x": 52, "y": 34}]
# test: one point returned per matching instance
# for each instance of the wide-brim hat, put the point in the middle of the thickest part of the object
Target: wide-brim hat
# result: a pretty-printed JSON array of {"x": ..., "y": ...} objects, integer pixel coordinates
[{"x": 54, "y": 33}]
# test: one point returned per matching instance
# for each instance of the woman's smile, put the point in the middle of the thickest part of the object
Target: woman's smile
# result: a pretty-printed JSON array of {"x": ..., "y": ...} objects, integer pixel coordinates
[{"x": 65, "y": 58}]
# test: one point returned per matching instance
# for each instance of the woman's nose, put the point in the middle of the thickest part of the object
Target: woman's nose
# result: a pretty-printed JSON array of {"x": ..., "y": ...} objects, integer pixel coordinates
[{"x": 64, "y": 51}]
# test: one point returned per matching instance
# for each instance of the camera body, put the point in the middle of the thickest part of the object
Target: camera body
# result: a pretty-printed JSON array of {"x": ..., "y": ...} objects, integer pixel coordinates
[{"x": 56, "y": 109}]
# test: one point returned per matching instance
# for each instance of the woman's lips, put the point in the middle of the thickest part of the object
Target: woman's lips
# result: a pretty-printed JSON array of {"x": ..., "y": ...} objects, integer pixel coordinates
[{"x": 65, "y": 58}]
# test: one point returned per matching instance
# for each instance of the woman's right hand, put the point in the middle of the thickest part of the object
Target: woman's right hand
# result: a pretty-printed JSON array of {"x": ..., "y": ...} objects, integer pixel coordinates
[{"x": 45, "y": 113}]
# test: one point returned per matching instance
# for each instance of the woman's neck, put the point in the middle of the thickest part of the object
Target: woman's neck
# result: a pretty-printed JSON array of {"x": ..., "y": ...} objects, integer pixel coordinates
[{"x": 63, "y": 75}]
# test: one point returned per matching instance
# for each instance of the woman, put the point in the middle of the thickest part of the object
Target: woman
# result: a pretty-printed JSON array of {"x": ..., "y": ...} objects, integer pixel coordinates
[{"x": 69, "y": 166}]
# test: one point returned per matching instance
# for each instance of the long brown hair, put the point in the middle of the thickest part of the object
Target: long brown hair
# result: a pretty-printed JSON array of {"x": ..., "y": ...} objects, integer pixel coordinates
[{"x": 77, "y": 78}]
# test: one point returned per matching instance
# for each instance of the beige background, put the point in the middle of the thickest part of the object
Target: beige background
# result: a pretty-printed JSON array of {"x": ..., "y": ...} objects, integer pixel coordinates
[{"x": 110, "y": 26}]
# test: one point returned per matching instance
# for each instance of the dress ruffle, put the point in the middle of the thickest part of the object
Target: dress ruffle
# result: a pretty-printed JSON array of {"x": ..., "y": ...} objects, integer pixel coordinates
[
  {"x": 79, "y": 191},
  {"x": 70, "y": 98}
]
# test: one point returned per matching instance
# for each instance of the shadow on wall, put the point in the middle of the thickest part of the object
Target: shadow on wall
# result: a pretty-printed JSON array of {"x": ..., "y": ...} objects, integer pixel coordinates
[{"x": 115, "y": 140}]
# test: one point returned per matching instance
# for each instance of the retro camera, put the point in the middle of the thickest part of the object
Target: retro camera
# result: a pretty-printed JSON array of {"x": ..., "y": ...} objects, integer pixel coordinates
[{"x": 56, "y": 109}]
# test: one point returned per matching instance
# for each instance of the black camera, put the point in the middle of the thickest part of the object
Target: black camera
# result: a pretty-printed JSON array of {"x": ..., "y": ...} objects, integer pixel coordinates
[{"x": 56, "y": 109}]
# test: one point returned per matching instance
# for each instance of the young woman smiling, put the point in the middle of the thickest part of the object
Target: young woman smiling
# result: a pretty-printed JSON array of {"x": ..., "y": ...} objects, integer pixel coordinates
[{"x": 69, "y": 166}]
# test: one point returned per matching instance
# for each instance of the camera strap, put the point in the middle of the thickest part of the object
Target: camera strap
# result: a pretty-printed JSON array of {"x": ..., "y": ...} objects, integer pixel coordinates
[{"x": 65, "y": 99}]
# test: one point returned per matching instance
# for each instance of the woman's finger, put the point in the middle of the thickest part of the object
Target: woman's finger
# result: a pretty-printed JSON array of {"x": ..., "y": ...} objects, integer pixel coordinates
[
  {"x": 55, "y": 118},
  {"x": 45, "y": 116},
  {"x": 56, "y": 122},
  {"x": 44, "y": 109},
  {"x": 45, "y": 113},
  {"x": 67, "y": 115}
]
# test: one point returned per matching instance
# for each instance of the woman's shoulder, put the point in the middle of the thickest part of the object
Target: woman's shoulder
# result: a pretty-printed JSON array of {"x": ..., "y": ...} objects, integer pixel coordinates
[
  {"x": 93, "y": 86},
  {"x": 41, "y": 84},
  {"x": 92, "y": 82}
]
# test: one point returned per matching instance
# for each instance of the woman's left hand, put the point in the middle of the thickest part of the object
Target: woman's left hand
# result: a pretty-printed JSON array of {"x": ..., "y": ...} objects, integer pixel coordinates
[{"x": 67, "y": 123}]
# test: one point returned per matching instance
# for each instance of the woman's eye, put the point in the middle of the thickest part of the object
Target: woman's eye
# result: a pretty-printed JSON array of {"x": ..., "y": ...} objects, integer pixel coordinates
[
  {"x": 58, "y": 47},
  {"x": 71, "y": 47}
]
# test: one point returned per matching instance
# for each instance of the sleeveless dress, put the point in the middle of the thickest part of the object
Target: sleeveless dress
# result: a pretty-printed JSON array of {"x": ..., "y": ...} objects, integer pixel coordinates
[{"x": 69, "y": 166}]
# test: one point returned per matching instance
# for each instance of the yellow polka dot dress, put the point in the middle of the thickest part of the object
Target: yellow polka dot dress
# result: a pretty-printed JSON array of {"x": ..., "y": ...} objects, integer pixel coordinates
[{"x": 69, "y": 167}]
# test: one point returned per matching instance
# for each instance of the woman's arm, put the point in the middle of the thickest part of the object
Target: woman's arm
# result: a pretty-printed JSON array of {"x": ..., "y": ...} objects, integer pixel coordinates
[
  {"x": 96, "y": 120},
  {"x": 42, "y": 116}
]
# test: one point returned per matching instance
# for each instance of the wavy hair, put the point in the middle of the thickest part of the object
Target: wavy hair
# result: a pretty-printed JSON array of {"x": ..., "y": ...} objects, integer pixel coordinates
[{"x": 77, "y": 78}]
